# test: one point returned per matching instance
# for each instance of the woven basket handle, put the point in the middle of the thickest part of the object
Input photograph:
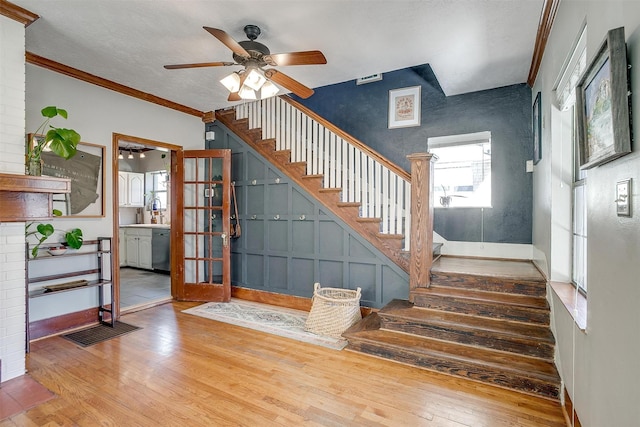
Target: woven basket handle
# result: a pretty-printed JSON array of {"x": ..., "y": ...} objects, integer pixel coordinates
[
  {"x": 358, "y": 292},
  {"x": 316, "y": 286}
]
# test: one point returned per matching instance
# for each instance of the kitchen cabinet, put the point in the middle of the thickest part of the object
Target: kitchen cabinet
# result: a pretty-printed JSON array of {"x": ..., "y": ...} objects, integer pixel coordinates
[
  {"x": 130, "y": 189},
  {"x": 138, "y": 247}
]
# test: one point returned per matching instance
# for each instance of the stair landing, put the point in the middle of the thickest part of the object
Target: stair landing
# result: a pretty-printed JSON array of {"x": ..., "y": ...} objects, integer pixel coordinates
[{"x": 522, "y": 270}]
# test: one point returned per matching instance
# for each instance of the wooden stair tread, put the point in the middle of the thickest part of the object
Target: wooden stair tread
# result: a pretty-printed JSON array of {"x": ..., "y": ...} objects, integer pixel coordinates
[
  {"x": 391, "y": 236},
  {"x": 349, "y": 204},
  {"x": 406, "y": 310},
  {"x": 368, "y": 219},
  {"x": 468, "y": 355},
  {"x": 330, "y": 190},
  {"x": 483, "y": 282},
  {"x": 483, "y": 308},
  {"x": 487, "y": 296}
]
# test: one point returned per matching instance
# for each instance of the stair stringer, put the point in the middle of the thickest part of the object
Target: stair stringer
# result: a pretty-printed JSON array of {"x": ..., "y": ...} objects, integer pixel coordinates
[{"x": 390, "y": 245}]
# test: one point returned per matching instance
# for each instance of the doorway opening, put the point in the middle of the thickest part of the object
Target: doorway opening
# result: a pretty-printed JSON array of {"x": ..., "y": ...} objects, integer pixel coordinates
[{"x": 144, "y": 206}]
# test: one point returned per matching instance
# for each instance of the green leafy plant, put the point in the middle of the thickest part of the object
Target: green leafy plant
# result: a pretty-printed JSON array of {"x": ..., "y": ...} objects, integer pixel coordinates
[
  {"x": 63, "y": 142},
  {"x": 72, "y": 238}
]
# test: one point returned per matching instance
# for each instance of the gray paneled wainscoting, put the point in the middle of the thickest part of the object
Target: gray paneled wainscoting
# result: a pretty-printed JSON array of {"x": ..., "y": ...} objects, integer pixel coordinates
[{"x": 289, "y": 241}]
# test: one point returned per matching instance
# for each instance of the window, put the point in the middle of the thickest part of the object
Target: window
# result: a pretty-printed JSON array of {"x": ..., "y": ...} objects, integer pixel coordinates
[
  {"x": 462, "y": 173},
  {"x": 566, "y": 98},
  {"x": 156, "y": 184}
]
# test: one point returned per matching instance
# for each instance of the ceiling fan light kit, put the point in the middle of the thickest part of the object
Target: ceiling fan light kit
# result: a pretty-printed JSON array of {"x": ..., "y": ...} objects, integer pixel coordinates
[
  {"x": 254, "y": 80},
  {"x": 232, "y": 82},
  {"x": 268, "y": 90},
  {"x": 246, "y": 92}
]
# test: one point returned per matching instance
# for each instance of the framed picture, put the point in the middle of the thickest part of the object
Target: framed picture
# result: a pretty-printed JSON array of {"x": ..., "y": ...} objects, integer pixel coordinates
[
  {"x": 86, "y": 172},
  {"x": 404, "y": 107},
  {"x": 537, "y": 130},
  {"x": 603, "y": 104}
]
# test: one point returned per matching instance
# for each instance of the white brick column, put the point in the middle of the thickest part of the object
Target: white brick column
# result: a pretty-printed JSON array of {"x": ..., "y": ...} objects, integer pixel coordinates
[{"x": 12, "y": 257}]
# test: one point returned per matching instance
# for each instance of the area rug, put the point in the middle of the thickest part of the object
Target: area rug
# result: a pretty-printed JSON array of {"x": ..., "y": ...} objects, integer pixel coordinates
[
  {"x": 274, "y": 320},
  {"x": 100, "y": 333}
]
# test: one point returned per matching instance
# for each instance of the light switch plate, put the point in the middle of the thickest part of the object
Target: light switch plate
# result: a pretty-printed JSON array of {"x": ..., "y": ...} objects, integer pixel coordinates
[
  {"x": 623, "y": 197},
  {"x": 529, "y": 166}
]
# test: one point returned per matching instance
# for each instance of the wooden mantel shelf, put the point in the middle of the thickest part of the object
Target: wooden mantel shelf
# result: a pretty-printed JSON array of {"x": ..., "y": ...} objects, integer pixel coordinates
[{"x": 25, "y": 198}]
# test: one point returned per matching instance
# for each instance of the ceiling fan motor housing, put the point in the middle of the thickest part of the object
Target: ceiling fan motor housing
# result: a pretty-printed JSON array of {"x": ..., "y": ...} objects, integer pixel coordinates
[{"x": 255, "y": 49}]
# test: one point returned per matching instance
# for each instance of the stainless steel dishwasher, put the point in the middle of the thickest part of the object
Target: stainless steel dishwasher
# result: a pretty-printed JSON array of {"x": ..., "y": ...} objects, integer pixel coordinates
[{"x": 161, "y": 249}]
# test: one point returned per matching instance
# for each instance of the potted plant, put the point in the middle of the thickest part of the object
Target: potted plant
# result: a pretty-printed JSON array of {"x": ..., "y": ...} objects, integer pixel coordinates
[
  {"x": 62, "y": 142},
  {"x": 72, "y": 239}
]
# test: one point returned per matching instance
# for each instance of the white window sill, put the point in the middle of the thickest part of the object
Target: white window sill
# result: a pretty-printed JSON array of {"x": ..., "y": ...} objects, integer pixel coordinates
[{"x": 574, "y": 302}]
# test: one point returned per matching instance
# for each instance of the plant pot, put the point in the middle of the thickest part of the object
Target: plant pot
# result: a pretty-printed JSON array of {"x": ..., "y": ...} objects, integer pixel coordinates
[{"x": 34, "y": 167}]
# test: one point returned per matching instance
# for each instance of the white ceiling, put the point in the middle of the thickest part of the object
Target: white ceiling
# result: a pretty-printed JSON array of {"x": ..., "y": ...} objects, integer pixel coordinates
[{"x": 471, "y": 44}]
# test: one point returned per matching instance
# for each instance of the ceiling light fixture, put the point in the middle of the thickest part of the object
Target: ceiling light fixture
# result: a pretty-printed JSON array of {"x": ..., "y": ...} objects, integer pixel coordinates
[
  {"x": 268, "y": 90},
  {"x": 250, "y": 85},
  {"x": 130, "y": 156},
  {"x": 246, "y": 92},
  {"x": 254, "y": 79},
  {"x": 232, "y": 82},
  {"x": 120, "y": 156},
  {"x": 142, "y": 156}
]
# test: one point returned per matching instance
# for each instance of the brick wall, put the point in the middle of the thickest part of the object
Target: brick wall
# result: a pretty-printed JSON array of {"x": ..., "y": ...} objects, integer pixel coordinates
[{"x": 12, "y": 130}]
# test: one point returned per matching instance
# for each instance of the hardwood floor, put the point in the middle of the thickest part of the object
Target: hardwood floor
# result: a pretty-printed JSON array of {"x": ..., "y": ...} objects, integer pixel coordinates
[{"x": 182, "y": 370}]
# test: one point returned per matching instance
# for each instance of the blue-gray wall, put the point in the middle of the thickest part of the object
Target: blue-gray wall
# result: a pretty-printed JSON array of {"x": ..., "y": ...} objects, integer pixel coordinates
[{"x": 506, "y": 112}]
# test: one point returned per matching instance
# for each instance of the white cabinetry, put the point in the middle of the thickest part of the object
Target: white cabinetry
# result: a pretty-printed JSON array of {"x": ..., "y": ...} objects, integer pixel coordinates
[
  {"x": 138, "y": 247},
  {"x": 131, "y": 189}
]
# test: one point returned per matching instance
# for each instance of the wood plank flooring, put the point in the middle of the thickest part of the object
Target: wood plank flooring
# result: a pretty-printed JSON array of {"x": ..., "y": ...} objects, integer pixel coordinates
[{"x": 182, "y": 370}]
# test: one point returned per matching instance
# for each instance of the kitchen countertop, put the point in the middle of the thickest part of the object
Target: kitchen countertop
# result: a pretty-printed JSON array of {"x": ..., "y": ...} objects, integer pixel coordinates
[{"x": 165, "y": 226}]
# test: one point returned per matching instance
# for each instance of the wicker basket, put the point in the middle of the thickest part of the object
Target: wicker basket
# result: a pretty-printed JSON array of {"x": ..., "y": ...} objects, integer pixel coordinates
[{"x": 333, "y": 311}]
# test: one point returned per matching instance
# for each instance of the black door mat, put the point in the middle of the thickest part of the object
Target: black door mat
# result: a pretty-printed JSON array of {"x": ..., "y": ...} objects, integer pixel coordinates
[{"x": 96, "y": 334}]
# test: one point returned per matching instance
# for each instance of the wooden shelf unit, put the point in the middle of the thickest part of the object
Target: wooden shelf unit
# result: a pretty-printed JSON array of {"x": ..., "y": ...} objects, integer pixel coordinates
[{"x": 103, "y": 253}]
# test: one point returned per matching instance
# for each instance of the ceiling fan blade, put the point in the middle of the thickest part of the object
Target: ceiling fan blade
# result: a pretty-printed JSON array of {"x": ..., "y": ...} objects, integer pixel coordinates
[
  {"x": 234, "y": 96},
  {"x": 228, "y": 41},
  {"x": 308, "y": 57},
  {"x": 199, "y": 65},
  {"x": 288, "y": 83}
]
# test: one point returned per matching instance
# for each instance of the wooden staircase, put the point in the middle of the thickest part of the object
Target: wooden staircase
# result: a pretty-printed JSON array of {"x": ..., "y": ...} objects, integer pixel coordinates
[
  {"x": 369, "y": 228},
  {"x": 484, "y": 320}
]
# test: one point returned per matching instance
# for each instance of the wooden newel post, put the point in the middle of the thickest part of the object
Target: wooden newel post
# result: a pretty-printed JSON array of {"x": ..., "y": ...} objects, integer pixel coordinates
[{"x": 421, "y": 246}]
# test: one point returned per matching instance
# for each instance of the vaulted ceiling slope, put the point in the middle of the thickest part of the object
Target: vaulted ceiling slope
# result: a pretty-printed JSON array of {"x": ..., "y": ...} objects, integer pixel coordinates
[{"x": 471, "y": 45}]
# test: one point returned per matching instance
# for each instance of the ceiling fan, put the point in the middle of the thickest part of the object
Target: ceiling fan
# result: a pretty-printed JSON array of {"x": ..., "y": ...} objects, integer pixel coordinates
[{"x": 254, "y": 81}]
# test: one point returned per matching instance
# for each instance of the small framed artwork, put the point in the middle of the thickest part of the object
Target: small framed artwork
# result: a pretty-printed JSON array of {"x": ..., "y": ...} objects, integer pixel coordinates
[
  {"x": 537, "y": 130},
  {"x": 602, "y": 103},
  {"x": 404, "y": 107}
]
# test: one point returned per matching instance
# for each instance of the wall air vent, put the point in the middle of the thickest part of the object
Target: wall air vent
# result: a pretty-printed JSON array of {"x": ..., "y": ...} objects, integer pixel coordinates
[{"x": 369, "y": 79}]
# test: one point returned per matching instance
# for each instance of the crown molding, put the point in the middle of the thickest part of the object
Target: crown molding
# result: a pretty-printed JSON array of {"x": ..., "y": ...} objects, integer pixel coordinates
[
  {"x": 547, "y": 17},
  {"x": 17, "y": 13},
  {"x": 49, "y": 64}
]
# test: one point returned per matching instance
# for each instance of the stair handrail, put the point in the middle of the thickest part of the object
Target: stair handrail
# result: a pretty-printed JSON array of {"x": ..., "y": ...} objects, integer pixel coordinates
[{"x": 382, "y": 189}]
